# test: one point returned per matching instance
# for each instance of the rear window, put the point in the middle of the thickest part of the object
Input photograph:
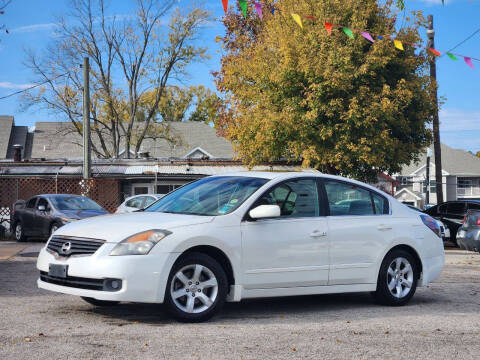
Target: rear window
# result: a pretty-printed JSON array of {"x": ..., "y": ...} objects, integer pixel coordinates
[{"x": 456, "y": 208}]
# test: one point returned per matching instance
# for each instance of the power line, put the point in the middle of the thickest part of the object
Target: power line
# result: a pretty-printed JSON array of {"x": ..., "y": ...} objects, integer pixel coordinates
[
  {"x": 34, "y": 86},
  {"x": 463, "y": 41}
]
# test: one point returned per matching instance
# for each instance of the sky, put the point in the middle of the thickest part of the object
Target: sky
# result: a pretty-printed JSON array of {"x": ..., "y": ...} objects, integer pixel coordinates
[{"x": 31, "y": 24}]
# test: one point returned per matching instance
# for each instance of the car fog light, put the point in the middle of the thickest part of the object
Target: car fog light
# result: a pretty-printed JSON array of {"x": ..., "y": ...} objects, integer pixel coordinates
[{"x": 112, "y": 285}]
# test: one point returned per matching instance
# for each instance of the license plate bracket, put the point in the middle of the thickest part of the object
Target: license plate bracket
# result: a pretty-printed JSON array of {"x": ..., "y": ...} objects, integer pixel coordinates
[{"x": 58, "y": 270}]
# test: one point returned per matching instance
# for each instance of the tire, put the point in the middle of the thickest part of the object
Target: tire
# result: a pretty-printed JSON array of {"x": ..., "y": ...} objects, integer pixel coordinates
[
  {"x": 200, "y": 284},
  {"x": 96, "y": 302},
  {"x": 18, "y": 232},
  {"x": 395, "y": 277}
]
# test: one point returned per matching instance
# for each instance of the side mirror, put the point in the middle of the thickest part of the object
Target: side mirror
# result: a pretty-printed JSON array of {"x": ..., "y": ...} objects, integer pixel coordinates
[
  {"x": 265, "y": 211},
  {"x": 41, "y": 207}
]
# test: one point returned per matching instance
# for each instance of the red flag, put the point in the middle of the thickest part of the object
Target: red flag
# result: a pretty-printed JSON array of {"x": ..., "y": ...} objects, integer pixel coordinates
[
  {"x": 434, "y": 52},
  {"x": 328, "y": 27},
  {"x": 225, "y": 5}
]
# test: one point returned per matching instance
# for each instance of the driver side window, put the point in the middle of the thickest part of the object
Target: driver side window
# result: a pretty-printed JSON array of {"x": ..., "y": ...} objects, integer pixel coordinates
[{"x": 297, "y": 198}]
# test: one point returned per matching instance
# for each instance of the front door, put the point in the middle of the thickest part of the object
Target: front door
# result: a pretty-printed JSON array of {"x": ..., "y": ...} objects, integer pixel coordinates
[{"x": 291, "y": 250}]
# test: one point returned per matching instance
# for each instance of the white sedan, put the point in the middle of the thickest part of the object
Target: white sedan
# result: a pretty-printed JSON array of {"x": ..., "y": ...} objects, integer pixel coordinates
[
  {"x": 137, "y": 202},
  {"x": 247, "y": 235}
]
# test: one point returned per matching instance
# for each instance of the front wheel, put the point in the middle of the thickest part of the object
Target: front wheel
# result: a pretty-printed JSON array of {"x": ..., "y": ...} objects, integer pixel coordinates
[
  {"x": 96, "y": 302},
  {"x": 397, "y": 280},
  {"x": 196, "y": 288}
]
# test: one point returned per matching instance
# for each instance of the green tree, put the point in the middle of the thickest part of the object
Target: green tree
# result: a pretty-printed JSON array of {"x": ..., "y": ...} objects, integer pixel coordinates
[{"x": 342, "y": 105}]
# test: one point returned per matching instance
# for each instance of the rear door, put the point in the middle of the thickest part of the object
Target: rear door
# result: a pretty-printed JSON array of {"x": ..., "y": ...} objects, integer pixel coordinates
[
  {"x": 360, "y": 227},
  {"x": 28, "y": 218}
]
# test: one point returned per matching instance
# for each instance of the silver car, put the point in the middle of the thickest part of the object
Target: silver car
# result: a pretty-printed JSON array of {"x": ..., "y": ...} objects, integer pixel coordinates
[{"x": 468, "y": 235}]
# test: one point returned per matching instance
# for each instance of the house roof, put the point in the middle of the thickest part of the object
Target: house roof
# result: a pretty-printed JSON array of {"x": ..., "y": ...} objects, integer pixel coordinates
[
  {"x": 454, "y": 162},
  {"x": 6, "y": 124},
  {"x": 56, "y": 140}
]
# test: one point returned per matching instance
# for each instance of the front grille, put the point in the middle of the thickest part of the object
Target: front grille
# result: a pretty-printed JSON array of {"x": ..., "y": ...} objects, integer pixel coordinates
[
  {"x": 73, "y": 281},
  {"x": 66, "y": 246}
]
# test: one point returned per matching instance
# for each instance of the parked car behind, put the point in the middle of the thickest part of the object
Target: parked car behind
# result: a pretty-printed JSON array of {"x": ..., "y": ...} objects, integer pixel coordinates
[
  {"x": 443, "y": 229},
  {"x": 137, "y": 202},
  {"x": 247, "y": 235},
  {"x": 42, "y": 215},
  {"x": 451, "y": 213},
  {"x": 468, "y": 236}
]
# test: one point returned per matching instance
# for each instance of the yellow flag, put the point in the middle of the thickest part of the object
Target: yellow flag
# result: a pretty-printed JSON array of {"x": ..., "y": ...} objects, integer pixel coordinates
[
  {"x": 398, "y": 44},
  {"x": 297, "y": 19}
]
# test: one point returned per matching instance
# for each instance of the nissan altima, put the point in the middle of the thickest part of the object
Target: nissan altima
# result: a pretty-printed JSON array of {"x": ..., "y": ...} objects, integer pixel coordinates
[{"x": 247, "y": 235}]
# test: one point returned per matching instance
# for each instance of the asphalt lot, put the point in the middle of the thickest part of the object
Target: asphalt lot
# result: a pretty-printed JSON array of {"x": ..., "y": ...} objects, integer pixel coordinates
[{"x": 441, "y": 322}]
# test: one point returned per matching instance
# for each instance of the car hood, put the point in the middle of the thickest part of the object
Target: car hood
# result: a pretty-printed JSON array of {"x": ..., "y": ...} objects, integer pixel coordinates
[
  {"x": 117, "y": 227},
  {"x": 82, "y": 214}
]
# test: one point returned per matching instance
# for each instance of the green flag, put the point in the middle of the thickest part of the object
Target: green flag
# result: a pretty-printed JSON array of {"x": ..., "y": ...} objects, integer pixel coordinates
[
  {"x": 451, "y": 56},
  {"x": 243, "y": 6},
  {"x": 348, "y": 32}
]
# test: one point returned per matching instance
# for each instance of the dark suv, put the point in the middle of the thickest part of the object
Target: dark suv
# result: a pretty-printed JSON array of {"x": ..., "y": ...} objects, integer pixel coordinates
[{"x": 451, "y": 213}]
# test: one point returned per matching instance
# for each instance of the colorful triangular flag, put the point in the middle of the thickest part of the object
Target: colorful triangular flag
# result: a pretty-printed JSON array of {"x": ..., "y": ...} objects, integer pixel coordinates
[
  {"x": 297, "y": 19},
  {"x": 451, "y": 56},
  {"x": 398, "y": 44},
  {"x": 225, "y": 5},
  {"x": 468, "y": 61},
  {"x": 328, "y": 27},
  {"x": 243, "y": 6},
  {"x": 348, "y": 32},
  {"x": 258, "y": 7},
  {"x": 434, "y": 52},
  {"x": 367, "y": 36}
]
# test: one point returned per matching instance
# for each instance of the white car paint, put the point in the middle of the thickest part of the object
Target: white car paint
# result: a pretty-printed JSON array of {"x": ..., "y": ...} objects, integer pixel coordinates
[
  {"x": 269, "y": 257},
  {"x": 124, "y": 208}
]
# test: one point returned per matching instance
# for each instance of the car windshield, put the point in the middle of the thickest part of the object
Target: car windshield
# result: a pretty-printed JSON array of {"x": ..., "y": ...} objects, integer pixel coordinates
[
  {"x": 209, "y": 196},
  {"x": 75, "y": 203}
]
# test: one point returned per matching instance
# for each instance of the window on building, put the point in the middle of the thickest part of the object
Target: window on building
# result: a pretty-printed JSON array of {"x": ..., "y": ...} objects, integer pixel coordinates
[
  {"x": 433, "y": 186},
  {"x": 165, "y": 189},
  {"x": 140, "y": 190},
  {"x": 406, "y": 180},
  {"x": 464, "y": 184}
]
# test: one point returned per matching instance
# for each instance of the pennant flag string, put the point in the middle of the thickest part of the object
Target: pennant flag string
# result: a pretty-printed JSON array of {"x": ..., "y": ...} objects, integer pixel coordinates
[
  {"x": 297, "y": 19},
  {"x": 258, "y": 7},
  {"x": 346, "y": 30},
  {"x": 398, "y": 44},
  {"x": 243, "y": 6}
]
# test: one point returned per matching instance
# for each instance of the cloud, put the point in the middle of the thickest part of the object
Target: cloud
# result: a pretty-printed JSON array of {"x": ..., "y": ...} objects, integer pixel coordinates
[
  {"x": 34, "y": 27},
  {"x": 9, "y": 85},
  {"x": 460, "y": 129}
]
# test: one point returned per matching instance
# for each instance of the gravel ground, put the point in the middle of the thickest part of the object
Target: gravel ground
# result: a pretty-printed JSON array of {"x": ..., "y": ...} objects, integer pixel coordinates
[{"x": 441, "y": 322}]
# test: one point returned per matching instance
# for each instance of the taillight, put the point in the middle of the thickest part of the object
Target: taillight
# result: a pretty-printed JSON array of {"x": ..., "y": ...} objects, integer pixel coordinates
[
  {"x": 431, "y": 224},
  {"x": 478, "y": 221},
  {"x": 464, "y": 219}
]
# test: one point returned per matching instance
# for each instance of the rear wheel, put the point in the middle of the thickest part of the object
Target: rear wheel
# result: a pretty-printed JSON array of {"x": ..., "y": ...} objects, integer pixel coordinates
[
  {"x": 397, "y": 280},
  {"x": 196, "y": 288},
  {"x": 96, "y": 302},
  {"x": 19, "y": 233}
]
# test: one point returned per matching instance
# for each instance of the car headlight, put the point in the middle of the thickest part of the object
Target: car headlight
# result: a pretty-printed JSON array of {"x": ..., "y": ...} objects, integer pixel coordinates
[{"x": 139, "y": 244}]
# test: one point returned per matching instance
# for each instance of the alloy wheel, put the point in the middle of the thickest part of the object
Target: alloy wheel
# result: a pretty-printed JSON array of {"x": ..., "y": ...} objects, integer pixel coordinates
[
  {"x": 18, "y": 232},
  {"x": 400, "y": 277},
  {"x": 194, "y": 288}
]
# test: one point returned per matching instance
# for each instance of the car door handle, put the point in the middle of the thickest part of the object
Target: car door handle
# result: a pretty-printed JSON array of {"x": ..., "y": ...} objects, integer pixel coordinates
[
  {"x": 384, "y": 227},
  {"x": 318, "y": 233}
]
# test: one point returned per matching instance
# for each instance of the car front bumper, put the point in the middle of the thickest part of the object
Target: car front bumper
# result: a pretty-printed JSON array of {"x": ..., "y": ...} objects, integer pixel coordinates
[{"x": 143, "y": 277}]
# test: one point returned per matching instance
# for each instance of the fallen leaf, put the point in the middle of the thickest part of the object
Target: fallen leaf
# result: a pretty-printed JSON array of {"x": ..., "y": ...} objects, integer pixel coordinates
[
  {"x": 387, "y": 332},
  {"x": 27, "y": 339},
  {"x": 439, "y": 329},
  {"x": 338, "y": 340},
  {"x": 348, "y": 321},
  {"x": 294, "y": 349},
  {"x": 282, "y": 316},
  {"x": 145, "y": 344},
  {"x": 41, "y": 334}
]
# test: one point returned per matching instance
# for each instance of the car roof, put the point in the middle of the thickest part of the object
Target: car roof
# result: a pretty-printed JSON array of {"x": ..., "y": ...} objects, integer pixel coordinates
[{"x": 58, "y": 195}]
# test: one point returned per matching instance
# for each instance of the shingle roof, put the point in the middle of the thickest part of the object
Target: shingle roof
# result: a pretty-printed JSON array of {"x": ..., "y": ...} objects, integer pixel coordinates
[
  {"x": 55, "y": 140},
  {"x": 454, "y": 161},
  {"x": 6, "y": 124}
]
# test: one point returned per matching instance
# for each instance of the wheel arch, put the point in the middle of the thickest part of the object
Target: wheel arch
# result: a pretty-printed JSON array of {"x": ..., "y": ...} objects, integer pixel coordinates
[
  {"x": 216, "y": 254},
  {"x": 411, "y": 251}
]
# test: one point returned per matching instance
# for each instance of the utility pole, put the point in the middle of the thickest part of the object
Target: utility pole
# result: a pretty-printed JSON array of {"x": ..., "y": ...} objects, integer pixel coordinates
[
  {"x": 86, "y": 119},
  {"x": 436, "y": 123},
  {"x": 427, "y": 180}
]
